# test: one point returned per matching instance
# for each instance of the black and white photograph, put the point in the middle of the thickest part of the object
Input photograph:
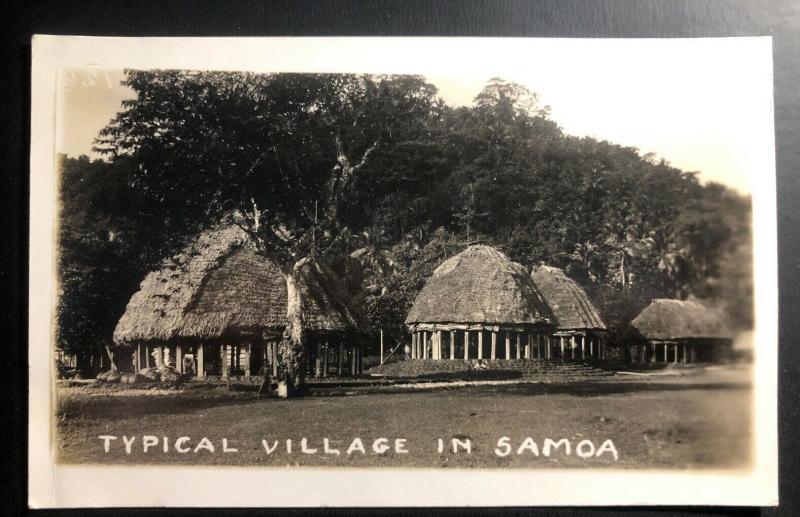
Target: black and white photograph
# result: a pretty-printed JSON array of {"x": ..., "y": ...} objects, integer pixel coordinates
[{"x": 450, "y": 271}]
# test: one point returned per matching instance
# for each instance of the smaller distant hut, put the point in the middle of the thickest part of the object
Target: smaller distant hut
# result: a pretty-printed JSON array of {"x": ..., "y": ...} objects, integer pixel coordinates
[
  {"x": 580, "y": 331},
  {"x": 681, "y": 331},
  {"x": 220, "y": 309},
  {"x": 479, "y": 305}
]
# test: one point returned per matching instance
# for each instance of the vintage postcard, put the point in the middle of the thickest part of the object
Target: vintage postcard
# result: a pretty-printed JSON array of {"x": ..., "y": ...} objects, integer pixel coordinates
[{"x": 402, "y": 271}]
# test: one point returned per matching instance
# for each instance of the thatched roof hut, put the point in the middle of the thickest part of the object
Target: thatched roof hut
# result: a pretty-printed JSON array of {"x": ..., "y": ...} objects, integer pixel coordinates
[
  {"x": 220, "y": 286},
  {"x": 681, "y": 331},
  {"x": 480, "y": 285},
  {"x": 568, "y": 301},
  {"x": 480, "y": 290},
  {"x": 221, "y": 293},
  {"x": 666, "y": 319}
]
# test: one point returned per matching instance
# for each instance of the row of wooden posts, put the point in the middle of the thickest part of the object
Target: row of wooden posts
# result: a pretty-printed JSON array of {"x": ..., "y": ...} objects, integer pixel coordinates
[
  {"x": 238, "y": 357},
  {"x": 232, "y": 357},
  {"x": 527, "y": 345},
  {"x": 353, "y": 363},
  {"x": 664, "y": 353}
]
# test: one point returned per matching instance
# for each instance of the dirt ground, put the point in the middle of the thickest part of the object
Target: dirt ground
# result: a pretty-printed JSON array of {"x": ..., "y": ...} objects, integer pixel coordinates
[{"x": 696, "y": 421}]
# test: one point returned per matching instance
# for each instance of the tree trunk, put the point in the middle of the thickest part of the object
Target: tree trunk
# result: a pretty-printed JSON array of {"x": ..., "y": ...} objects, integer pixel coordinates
[{"x": 292, "y": 344}]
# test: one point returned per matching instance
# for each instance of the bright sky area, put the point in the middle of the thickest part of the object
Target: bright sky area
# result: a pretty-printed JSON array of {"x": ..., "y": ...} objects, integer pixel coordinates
[{"x": 703, "y": 105}]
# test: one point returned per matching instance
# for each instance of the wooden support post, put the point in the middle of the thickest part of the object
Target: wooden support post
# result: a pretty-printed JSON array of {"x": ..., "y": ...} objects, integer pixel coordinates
[
  {"x": 224, "y": 361},
  {"x": 318, "y": 361},
  {"x": 201, "y": 367},
  {"x": 494, "y": 345},
  {"x": 508, "y": 345},
  {"x": 424, "y": 345},
  {"x": 573, "y": 347},
  {"x": 325, "y": 359},
  {"x": 561, "y": 343},
  {"x": 138, "y": 357},
  {"x": 381, "y": 346},
  {"x": 529, "y": 346},
  {"x": 452, "y": 344},
  {"x": 438, "y": 344},
  {"x": 339, "y": 356},
  {"x": 276, "y": 357},
  {"x": 675, "y": 351},
  {"x": 591, "y": 346},
  {"x": 413, "y": 345},
  {"x": 178, "y": 358},
  {"x": 519, "y": 346},
  {"x": 466, "y": 345},
  {"x": 480, "y": 344},
  {"x": 247, "y": 352}
]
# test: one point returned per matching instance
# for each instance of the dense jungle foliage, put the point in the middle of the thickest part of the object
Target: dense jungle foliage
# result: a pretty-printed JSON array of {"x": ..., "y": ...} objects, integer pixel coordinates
[{"x": 380, "y": 169}]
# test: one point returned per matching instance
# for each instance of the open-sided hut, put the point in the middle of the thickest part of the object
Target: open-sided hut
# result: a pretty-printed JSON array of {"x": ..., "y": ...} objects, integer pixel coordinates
[
  {"x": 580, "y": 331},
  {"x": 220, "y": 308},
  {"x": 683, "y": 331},
  {"x": 479, "y": 305}
]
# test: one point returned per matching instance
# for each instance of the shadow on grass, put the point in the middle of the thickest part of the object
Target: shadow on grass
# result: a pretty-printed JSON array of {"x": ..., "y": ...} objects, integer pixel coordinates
[
  {"x": 590, "y": 389},
  {"x": 466, "y": 375},
  {"x": 80, "y": 406}
]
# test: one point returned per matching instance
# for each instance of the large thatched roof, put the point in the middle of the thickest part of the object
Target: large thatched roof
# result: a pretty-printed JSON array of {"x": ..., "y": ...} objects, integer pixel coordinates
[
  {"x": 567, "y": 300},
  {"x": 220, "y": 286},
  {"x": 479, "y": 285},
  {"x": 680, "y": 319}
]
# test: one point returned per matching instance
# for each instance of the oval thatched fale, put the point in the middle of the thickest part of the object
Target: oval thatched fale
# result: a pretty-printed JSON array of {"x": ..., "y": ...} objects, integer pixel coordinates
[
  {"x": 667, "y": 319},
  {"x": 479, "y": 305},
  {"x": 683, "y": 331},
  {"x": 570, "y": 305},
  {"x": 222, "y": 293},
  {"x": 480, "y": 285}
]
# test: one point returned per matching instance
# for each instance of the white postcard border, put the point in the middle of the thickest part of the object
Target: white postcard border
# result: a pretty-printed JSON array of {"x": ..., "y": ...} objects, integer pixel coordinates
[{"x": 52, "y": 485}]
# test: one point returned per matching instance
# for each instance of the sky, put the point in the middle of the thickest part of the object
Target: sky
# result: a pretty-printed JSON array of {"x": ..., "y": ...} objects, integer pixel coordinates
[{"x": 702, "y": 105}]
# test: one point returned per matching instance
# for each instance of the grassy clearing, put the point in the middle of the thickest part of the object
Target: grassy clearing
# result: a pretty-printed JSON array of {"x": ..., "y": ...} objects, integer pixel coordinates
[{"x": 697, "y": 422}]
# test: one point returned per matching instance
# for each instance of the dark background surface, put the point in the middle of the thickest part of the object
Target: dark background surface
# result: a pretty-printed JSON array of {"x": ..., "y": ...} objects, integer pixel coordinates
[{"x": 554, "y": 18}]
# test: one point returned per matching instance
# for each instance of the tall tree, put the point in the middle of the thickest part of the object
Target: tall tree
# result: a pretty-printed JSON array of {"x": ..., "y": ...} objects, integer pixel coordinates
[{"x": 281, "y": 149}]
